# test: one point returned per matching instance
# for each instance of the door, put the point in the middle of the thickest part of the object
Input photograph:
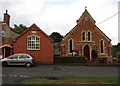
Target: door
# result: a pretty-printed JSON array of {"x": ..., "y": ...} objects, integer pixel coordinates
[
  {"x": 87, "y": 52},
  {"x": 6, "y": 51},
  {"x": 22, "y": 59}
]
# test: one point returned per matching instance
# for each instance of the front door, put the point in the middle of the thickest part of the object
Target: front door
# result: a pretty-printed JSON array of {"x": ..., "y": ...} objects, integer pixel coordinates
[
  {"x": 87, "y": 52},
  {"x": 6, "y": 51}
]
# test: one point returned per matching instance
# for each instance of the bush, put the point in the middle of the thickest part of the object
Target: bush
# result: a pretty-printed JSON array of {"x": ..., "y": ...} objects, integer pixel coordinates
[
  {"x": 69, "y": 59},
  {"x": 94, "y": 55}
]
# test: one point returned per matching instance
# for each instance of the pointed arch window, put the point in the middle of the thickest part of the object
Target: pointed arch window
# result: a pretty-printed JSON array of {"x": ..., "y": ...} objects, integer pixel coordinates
[
  {"x": 89, "y": 35},
  {"x": 83, "y": 35},
  {"x": 102, "y": 46},
  {"x": 33, "y": 42},
  {"x": 70, "y": 45}
]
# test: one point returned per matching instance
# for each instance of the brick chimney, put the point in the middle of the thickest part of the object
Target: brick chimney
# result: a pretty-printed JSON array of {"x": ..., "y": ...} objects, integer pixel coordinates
[{"x": 6, "y": 18}]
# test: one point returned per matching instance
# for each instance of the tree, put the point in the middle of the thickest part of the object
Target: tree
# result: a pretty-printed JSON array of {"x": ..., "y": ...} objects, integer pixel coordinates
[
  {"x": 19, "y": 29},
  {"x": 57, "y": 37},
  {"x": 115, "y": 50}
]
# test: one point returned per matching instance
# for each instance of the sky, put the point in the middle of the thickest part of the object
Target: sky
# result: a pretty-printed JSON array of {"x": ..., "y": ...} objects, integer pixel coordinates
[{"x": 61, "y": 15}]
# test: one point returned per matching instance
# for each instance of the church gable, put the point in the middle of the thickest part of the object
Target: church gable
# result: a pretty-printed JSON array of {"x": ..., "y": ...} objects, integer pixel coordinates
[
  {"x": 84, "y": 38},
  {"x": 86, "y": 16},
  {"x": 86, "y": 23}
]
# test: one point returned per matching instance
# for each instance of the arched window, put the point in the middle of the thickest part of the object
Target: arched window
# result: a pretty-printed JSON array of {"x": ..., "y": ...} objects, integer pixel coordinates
[
  {"x": 109, "y": 51},
  {"x": 70, "y": 45},
  {"x": 102, "y": 46},
  {"x": 33, "y": 42},
  {"x": 83, "y": 36},
  {"x": 89, "y": 36}
]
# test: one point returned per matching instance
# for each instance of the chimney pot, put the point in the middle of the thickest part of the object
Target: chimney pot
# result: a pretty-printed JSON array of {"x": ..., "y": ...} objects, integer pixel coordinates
[
  {"x": 6, "y": 11},
  {"x": 6, "y": 18}
]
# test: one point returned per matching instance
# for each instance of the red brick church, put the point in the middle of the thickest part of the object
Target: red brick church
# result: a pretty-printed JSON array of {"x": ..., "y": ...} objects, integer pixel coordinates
[{"x": 84, "y": 38}]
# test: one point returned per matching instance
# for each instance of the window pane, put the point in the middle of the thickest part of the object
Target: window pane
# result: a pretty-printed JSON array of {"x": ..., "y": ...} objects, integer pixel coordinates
[
  {"x": 89, "y": 36},
  {"x": 83, "y": 36},
  {"x": 33, "y": 43},
  {"x": 71, "y": 46},
  {"x": 102, "y": 46},
  {"x": 33, "y": 37}
]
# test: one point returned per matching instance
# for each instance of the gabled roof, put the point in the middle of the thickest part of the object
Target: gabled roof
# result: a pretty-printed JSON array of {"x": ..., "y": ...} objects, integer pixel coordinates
[
  {"x": 103, "y": 33},
  {"x": 34, "y": 26},
  {"x": 69, "y": 32},
  {"x": 85, "y": 13},
  {"x": 13, "y": 30}
]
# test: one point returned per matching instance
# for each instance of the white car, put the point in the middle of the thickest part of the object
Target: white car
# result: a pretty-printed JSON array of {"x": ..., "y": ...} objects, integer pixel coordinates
[{"x": 18, "y": 59}]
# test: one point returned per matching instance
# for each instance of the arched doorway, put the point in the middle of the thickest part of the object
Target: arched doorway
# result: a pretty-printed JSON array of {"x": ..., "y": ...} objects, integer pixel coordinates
[
  {"x": 87, "y": 52},
  {"x": 6, "y": 50}
]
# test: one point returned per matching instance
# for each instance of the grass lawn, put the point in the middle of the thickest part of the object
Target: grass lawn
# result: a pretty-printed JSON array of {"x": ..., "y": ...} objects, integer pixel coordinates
[{"x": 72, "y": 80}]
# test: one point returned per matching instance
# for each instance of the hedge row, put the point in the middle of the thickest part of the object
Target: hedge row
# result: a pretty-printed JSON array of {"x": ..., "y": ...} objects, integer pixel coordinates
[{"x": 69, "y": 59}]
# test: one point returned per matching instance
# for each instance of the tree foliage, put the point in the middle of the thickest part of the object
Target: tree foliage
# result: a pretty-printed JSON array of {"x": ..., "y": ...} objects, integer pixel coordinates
[
  {"x": 115, "y": 50},
  {"x": 19, "y": 28},
  {"x": 57, "y": 37}
]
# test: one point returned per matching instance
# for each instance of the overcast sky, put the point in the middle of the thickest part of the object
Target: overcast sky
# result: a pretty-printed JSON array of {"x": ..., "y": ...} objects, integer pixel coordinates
[{"x": 61, "y": 15}]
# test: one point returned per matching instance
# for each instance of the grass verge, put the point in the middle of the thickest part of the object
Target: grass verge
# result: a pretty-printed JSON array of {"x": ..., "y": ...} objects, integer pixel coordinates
[{"x": 72, "y": 80}]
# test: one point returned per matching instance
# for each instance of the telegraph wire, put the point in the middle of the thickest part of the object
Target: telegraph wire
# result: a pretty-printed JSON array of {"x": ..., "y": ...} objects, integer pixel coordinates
[
  {"x": 108, "y": 18},
  {"x": 44, "y": 6}
]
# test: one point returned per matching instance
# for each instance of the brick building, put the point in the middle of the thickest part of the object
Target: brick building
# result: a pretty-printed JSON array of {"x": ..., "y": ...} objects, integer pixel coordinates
[
  {"x": 32, "y": 41},
  {"x": 35, "y": 42},
  {"x": 84, "y": 38},
  {"x": 7, "y": 34}
]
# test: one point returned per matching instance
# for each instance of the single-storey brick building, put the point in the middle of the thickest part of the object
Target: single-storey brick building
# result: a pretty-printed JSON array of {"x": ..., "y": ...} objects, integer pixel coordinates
[{"x": 35, "y": 42}]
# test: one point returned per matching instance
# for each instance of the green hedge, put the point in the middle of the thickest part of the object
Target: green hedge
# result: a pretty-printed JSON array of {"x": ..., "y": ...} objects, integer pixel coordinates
[{"x": 69, "y": 59}]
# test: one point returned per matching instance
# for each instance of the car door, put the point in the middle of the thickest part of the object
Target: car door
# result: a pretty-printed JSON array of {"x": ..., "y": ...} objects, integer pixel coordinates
[
  {"x": 22, "y": 59},
  {"x": 13, "y": 60}
]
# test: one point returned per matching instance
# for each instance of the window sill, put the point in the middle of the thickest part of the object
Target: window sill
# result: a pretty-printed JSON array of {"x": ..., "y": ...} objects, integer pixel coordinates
[{"x": 33, "y": 50}]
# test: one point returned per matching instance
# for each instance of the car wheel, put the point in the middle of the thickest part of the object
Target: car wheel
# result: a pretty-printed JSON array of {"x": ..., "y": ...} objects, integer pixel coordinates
[
  {"x": 4, "y": 64},
  {"x": 28, "y": 64}
]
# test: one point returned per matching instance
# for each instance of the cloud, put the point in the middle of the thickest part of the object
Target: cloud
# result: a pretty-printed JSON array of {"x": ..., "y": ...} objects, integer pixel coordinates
[{"x": 61, "y": 15}]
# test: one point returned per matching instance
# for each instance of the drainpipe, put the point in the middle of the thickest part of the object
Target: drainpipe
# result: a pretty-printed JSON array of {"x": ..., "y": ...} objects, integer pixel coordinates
[{"x": 4, "y": 52}]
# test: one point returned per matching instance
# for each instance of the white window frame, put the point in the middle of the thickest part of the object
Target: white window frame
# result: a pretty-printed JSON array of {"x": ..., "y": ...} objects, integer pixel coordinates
[
  {"x": 69, "y": 45},
  {"x": 82, "y": 36},
  {"x": 33, "y": 43},
  {"x": 103, "y": 46},
  {"x": 90, "y": 36}
]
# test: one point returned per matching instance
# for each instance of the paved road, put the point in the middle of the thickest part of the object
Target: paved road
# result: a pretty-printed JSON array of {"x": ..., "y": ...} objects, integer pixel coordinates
[{"x": 13, "y": 75}]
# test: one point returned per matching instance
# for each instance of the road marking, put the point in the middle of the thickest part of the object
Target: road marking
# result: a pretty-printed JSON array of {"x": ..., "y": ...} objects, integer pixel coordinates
[
  {"x": 10, "y": 75},
  {"x": 14, "y": 75},
  {"x": 22, "y": 76}
]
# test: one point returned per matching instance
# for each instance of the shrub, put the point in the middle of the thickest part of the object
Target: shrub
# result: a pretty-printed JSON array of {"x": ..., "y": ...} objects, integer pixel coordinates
[
  {"x": 94, "y": 55},
  {"x": 69, "y": 59}
]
